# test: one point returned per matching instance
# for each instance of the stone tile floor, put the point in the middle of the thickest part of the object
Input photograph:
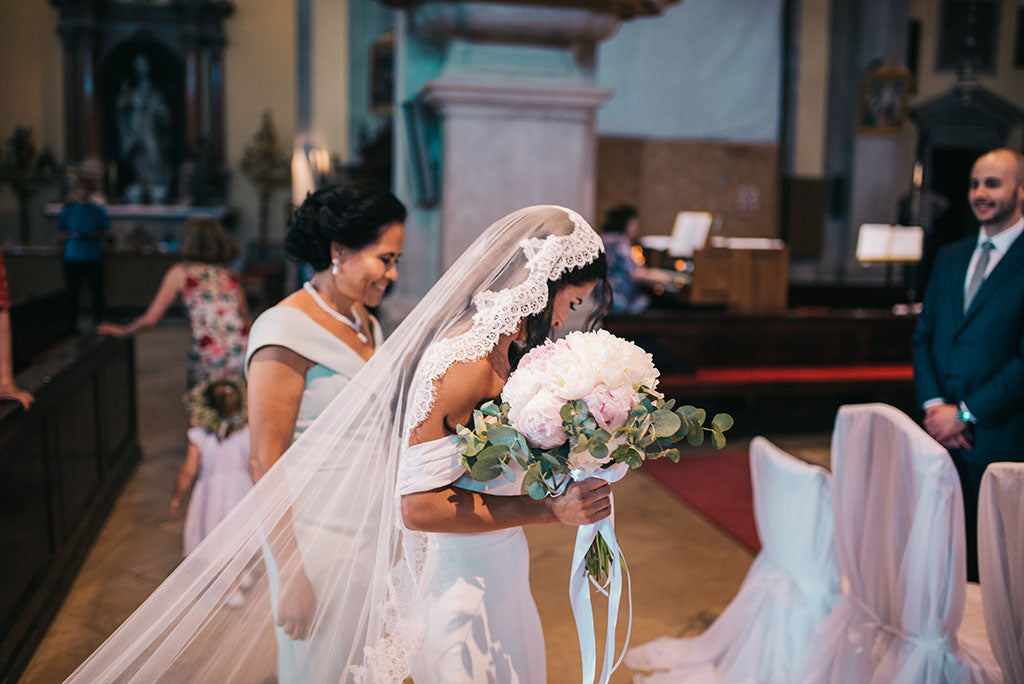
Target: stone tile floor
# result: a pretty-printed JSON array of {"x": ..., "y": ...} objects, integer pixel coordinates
[{"x": 684, "y": 570}]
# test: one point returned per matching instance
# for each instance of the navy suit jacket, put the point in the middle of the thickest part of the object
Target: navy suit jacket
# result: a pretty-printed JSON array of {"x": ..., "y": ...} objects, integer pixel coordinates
[{"x": 977, "y": 356}]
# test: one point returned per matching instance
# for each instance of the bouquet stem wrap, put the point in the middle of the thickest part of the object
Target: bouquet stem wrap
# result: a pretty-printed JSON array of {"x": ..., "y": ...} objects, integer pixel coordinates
[{"x": 579, "y": 593}]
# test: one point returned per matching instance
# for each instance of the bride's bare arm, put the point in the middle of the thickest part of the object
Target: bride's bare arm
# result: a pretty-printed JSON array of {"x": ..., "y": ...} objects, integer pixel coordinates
[{"x": 450, "y": 509}]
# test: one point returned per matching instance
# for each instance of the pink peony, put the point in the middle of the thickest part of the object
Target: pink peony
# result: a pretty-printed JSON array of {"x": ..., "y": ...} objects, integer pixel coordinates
[
  {"x": 610, "y": 407},
  {"x": 540, "y": 421}
]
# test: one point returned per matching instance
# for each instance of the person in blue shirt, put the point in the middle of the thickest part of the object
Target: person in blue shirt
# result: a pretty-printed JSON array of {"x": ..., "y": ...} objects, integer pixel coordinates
[
  {"x": 83, "y": 226},
  {"x": 619, "y": 232}
]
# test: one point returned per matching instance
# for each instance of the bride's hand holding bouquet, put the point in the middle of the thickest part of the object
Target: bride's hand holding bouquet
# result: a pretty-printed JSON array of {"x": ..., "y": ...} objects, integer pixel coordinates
[{"x": 580, "y": 408}]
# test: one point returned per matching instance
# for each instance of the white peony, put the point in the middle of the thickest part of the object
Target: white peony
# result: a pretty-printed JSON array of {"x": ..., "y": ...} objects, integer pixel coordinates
[{"x": 540, "y": 420}]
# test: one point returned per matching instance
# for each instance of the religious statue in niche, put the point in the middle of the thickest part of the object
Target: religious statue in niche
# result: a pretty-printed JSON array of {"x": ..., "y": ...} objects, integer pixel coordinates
[{"x": 143, "y": 120}]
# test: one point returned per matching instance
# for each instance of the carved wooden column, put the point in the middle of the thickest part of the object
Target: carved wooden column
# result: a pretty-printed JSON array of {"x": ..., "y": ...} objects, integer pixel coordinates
[{"x": 79, "y": 32}]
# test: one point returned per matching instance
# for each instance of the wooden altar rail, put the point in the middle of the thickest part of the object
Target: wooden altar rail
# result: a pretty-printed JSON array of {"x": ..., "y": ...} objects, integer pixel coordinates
[
  {"x": 62, "y": 464},
  {"x": 780, "y": 372}
]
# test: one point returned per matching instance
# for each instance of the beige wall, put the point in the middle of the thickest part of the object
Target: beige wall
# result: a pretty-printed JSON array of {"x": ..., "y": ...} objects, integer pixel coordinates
[
  {"x": 812, "y": 90},
  {"x": 259, "y": 74},
  {"x": 331, "y": 76},
  {"x": 32, "y": 89}
]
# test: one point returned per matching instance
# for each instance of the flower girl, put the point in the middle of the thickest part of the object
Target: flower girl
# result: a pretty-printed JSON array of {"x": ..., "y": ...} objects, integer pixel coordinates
[{"x": 218, "y": 457}]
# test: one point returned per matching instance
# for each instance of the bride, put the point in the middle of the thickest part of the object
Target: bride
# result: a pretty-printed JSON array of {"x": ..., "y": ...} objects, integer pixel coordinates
[{"x": 418, "y": 569}]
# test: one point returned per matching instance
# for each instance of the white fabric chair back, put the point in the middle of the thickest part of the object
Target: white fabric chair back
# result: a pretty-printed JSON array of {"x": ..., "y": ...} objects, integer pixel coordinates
[
  {"x": 1001, "y": 564},
  {"x": 793, "y": 512},
  {"x": 793, "y": 583},
  {"x": 900, "y": 544}
]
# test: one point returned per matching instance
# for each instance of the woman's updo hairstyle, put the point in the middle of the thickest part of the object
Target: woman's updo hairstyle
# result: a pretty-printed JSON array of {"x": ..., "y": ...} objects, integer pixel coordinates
[
  {"x": 538, "y": 326},
  {"x": 351, "y": 215}
]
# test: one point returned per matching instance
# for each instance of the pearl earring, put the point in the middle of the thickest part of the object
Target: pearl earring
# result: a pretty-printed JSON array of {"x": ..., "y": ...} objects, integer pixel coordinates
[{"x": 334, "y": 266}]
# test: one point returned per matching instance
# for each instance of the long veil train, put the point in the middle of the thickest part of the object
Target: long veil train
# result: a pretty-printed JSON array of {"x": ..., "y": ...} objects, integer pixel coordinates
[{"x": 333, "y": 492}]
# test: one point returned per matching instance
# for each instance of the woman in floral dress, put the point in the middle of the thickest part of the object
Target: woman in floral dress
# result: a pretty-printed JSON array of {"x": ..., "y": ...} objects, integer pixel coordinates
[{"x": 212, "y": 293}]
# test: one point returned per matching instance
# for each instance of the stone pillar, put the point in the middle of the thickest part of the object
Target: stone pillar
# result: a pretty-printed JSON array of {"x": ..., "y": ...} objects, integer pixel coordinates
[
  {"x": 865, "y": 170},
  {"x": 516, "y": 111}
]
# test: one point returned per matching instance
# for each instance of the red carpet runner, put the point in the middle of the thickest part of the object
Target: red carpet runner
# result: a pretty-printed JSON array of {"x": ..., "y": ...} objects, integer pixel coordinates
[{"x": 717, "y": 484}]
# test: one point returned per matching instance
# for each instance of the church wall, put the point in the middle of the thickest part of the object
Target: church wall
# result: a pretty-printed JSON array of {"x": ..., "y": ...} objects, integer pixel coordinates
[
  {"x": 259, "y": 75},
  {"x": 31, "y": 95},
  {"x": 812, "y": 90},
  {"x": 331, "y": 76},
  {"x": 695, "y": 115},
  {"x": 1007, "y": 81}
]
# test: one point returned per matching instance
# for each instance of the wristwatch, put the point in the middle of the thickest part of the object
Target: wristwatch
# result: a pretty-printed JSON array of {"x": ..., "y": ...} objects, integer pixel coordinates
[{"x": 964, "y": 414}]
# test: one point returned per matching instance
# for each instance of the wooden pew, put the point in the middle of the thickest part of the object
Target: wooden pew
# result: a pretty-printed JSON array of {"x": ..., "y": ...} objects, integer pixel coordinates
[{"x": 62, "y": 464}]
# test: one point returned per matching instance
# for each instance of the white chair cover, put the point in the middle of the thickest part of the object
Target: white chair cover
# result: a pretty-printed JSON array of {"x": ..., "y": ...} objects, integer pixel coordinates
[
  {"x": 1001, "y": 564},
  {"x": 791, "y": 586},
  {"x": 900, "y": 542}
]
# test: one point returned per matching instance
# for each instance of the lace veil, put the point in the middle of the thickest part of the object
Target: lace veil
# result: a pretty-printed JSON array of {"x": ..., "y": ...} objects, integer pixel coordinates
[{"x": 333, "y": 493}]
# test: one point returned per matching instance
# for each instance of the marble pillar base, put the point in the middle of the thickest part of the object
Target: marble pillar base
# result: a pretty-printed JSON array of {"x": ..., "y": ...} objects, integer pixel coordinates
[{"x": 511, "y": 144}]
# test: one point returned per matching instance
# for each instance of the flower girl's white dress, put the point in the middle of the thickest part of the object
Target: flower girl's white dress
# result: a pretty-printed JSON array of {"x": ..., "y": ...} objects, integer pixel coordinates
[{"x": 482, "y": 624}]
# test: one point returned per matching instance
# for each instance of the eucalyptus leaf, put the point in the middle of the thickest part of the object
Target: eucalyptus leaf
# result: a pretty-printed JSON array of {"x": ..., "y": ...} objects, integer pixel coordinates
[
  {"x": 553, "y": 460},
  {"x": 620, "y": 452},
  {"x": 599, "y": 450},
  {"x": 722, "y": 421},
  {"x": 566, "y": 412},
  {"x": 488, "y": 464},
  {"x": 502, "y": 434},
  {"x": 717, "y": 438},
  {"x": 665, "y": 423},
  {"x": 582, "y": 444},
  {"x": 673, "y": 454},
  {"x": 669, "y": 405},
  {"x": 696, "y": 439},
  {"x": 490, "y": 409},
  {"x": 479, "y": 425},
  {"x": 634, "y": 457},
  {"x": 507, "y": 471}
]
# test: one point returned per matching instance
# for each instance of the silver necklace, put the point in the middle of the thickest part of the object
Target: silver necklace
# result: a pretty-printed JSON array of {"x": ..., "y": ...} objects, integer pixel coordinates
[{"x": 354, "y": 324}]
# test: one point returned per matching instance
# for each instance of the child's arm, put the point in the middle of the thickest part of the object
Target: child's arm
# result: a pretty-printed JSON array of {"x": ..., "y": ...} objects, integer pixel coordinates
[{"x": 186, "y": 476}]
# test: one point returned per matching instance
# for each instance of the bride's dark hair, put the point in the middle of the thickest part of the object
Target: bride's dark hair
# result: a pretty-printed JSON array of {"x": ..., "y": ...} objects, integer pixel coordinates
[{"x": 538, "y": 326}]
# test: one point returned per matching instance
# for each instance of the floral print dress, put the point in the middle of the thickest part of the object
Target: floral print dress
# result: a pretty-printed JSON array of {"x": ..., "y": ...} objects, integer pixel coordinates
[{"x": 213, "y": 298}]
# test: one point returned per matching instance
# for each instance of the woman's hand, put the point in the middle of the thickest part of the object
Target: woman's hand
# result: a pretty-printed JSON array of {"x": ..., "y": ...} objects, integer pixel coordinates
[
  {"x": 296, "y": 605},
  {"x": 12, "y": 391},
  {"x": 582, "y": 503},
  {"x": 111, "y": 329}
]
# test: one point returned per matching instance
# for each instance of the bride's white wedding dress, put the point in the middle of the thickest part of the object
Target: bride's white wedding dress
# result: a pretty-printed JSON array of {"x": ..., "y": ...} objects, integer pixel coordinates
[
  {"x": 389, "y": 602},
  {"x": 481, "y": 622}
]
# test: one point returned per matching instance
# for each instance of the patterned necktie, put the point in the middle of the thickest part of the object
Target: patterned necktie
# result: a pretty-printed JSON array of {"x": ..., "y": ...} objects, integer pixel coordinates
[{"x": 978, "y": 277}]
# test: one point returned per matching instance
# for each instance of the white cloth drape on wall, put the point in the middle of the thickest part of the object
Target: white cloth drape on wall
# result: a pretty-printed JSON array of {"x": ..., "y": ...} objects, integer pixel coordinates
[
  {"x": 794, "y": 582},
  {"x": 1001, "y": 564},
  {"x": 899, "y": 529}
]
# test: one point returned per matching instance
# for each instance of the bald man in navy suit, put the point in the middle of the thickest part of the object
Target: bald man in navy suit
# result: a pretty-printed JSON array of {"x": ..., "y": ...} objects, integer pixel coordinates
[{"x": 969, "y": 341}]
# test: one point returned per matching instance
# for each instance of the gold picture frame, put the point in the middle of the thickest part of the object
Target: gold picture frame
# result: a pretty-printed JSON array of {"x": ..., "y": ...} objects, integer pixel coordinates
[{"x": 883, "y": 100}]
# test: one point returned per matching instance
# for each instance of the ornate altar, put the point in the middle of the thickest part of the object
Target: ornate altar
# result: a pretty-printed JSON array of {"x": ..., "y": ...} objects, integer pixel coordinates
[{"x": 144, "y": 98}]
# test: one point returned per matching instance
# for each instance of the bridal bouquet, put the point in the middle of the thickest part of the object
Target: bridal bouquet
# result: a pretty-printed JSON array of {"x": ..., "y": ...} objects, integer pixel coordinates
[{"x": 584, "y": 406}]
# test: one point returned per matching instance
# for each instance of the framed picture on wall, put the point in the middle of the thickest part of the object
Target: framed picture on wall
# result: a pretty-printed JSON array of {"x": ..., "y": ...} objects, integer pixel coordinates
[
  {"x": 382, "y": 73},
  {"x": 883, "y": 100}
]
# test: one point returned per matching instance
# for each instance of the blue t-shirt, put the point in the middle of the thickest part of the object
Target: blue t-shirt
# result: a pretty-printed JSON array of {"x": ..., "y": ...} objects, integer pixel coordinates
[{"x": 87, "y": 220}]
